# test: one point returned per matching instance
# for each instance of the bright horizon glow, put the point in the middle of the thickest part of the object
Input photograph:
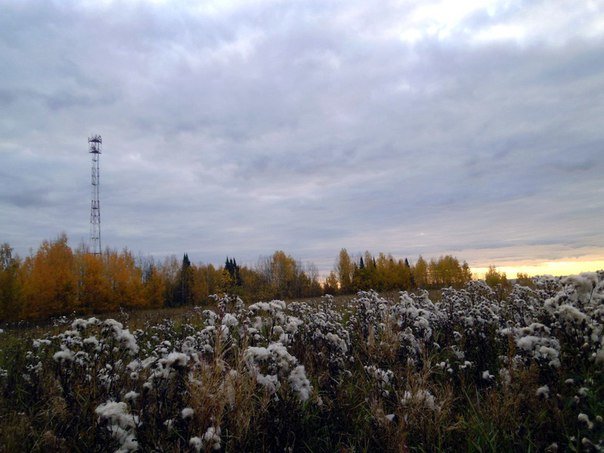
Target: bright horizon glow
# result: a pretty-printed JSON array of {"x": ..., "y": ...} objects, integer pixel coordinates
[{"x": 554, "y": 267}]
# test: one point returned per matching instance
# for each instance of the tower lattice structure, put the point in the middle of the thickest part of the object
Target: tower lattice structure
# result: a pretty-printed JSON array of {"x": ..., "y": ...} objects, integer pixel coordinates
[{"x": 94, "y": 144}]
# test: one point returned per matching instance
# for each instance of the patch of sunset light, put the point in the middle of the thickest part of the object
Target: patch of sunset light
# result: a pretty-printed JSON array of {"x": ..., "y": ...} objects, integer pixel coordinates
[{"x": 555, "y": 267}]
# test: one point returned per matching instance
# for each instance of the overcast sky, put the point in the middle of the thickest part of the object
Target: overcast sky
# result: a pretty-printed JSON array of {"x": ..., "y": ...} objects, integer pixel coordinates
[{"x": 237, "y": 128}]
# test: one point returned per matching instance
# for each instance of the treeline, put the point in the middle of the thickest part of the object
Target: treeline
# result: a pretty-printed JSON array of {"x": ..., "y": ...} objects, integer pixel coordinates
[
  {"x": 384, "y": 273},
  {"x": 59, "y": 280}
]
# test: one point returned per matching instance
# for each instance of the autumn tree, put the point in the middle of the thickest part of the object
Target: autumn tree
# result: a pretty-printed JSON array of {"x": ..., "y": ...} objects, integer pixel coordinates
[
  {"x": 201, "y": 284},
  {"x": 49, "y": 280},
  {"x": 283, "y": 273},
  {"x": 282, "y": 276},
  {"x": 447, "y": 271},
  {"x": 395, "y": 275},
  {"x": 125, "y": 280},
  {"x": 523, "y": 279},
  {"x": 498, "y": 281},
  {"x": 9, "y": 284},
  {"x": 466, "y": 272},
  {"x": 383, "y": 273},
  {"x": 362, "y": 278},
  {"x": 94, "y": 291},
  {"x": 493, "y": 278},
  {"x": 331, "y": 284},
  {"x": 154, "y": 284},
  {"x": 420, "y": 272},
  {"x": 345, "y": 271},
  {"x": 254, "y": 285},
  {"x": 208, "y": 280}
]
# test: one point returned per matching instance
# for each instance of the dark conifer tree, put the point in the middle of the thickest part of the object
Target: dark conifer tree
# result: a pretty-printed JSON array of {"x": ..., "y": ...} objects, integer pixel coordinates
[
  {"x": 233, "y": 269},
  {"x": 183, "y": 293}
]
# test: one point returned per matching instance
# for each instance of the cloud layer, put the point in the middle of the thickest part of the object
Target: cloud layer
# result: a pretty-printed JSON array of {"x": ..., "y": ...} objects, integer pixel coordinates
[{"x": 237, "y": 128}]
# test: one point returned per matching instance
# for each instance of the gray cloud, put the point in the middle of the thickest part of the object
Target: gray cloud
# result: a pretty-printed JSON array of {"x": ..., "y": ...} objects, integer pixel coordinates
[{"x": 243, "y": 128}]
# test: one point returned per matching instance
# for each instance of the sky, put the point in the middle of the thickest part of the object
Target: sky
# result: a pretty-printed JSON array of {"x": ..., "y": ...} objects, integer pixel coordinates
[{"x": 237, "y": 128}]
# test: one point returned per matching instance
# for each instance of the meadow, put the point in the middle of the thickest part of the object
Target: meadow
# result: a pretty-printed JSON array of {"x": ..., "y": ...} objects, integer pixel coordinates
[{"x": 475, "y": 369}]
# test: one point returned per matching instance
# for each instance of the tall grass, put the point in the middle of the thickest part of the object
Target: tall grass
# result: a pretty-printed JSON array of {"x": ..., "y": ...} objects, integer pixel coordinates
[{"x": 471, "y": 371}]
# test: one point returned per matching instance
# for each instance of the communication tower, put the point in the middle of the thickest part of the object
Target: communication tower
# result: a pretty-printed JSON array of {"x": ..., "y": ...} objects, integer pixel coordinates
[{"x": 94, "y": 144}]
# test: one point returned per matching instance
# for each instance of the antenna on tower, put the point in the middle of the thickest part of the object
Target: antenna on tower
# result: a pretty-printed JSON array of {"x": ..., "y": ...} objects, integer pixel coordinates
[{"x": 94, "y": 144}]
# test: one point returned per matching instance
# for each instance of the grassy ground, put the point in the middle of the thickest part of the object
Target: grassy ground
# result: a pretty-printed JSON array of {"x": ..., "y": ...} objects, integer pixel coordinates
[{"x": 452, "y": 371}]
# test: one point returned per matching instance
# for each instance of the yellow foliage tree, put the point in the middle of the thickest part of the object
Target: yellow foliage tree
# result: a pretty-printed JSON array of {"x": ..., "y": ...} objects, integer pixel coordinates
[
  {"x": 345, "y": 271},
  {"x": 10, "y": 301},
  {"x": 524, "y": 280},
  {"x": 493, "y": 278},
  {"x": 94, "y": 290},
  {"x": 125, "y": 280},
  {"x": 331, "y": 284},
  {"x": 154, "y": 287},
  {"x": 49, "y": 280},
  {"x": 420, "y": 272}
]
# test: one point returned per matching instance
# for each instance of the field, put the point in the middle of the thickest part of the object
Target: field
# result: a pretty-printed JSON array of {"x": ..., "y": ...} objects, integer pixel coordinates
[{"x": 478, "y": 369}]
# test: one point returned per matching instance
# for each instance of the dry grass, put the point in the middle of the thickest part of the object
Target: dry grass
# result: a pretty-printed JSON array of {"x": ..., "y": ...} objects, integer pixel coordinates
[{"x": 386, "y": 375}]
